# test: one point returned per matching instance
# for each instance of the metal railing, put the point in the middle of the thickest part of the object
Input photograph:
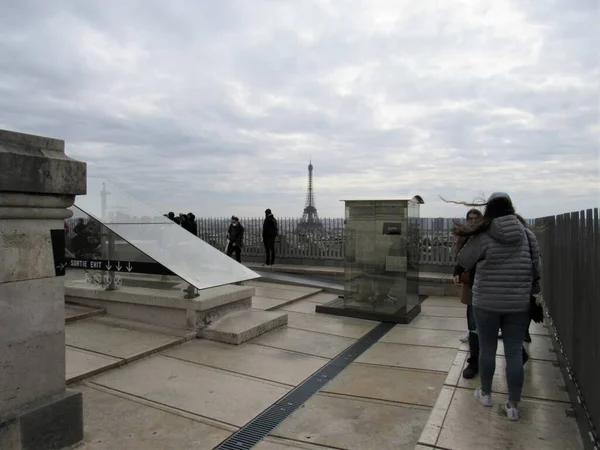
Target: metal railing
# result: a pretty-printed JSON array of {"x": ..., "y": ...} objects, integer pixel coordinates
[
  {"x": 570, "y": 246},
  {"x": 437, "y": 243}
]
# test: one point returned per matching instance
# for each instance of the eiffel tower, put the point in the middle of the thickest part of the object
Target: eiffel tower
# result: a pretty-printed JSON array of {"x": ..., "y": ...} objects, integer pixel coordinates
[{"x": 310, "y": 218}]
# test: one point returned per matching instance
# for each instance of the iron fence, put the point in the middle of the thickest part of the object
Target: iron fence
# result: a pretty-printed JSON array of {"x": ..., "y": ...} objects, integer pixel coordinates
[
  {"x": 437, "y": 243},
  {"x": 570, "y": 246},
  {"x": 436, "y": 240}
]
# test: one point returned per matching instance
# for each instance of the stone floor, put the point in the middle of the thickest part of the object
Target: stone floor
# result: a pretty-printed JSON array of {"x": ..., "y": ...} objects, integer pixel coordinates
[{"x": 158, "y": 391}]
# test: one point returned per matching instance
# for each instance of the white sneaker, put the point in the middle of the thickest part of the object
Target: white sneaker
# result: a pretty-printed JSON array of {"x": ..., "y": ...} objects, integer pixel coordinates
[
  {"x": 465, "y": 338},
  {"x": 484, "y": 399},
  {"x": 512, "y": 412}
]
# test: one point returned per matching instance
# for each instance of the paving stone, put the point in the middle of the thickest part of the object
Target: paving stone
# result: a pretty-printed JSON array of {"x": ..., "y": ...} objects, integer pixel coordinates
[
  {"x": 541, "y": 347},
  {"x": 440, "y": 323},
  {"x": 267, "y": 304},
  {"x": 322, "y": 298},
  {"x": 303, "y": 306},
  {"x": 81, "y": 364},
  {"x": 388, "y": 383},
  {"x": 303, "y": 341},
  {"x": 282, "y": 286},
  {"x": 542, "y": 426},
  {"x": 409, "y": 356},
  {"x": 113, "y": 422},
  {"x": 286, "y": 444},
  {"x": 401, "y": 334},
  {"x": 76, "y": 312},
  {"x": 269, "y": 363},
  {"x": 115, "y": 341},
  {"x": 438, "y": 300},
  {"x": 340, "y": 326},
  {"x": 443, "y": 311},
  {"x": 542, "y": 381},
  {"x": 241, "y": 326},
  {"x": 355, "y": 424},
  {"x": 193, "y": 388},
  {"x": 539, "y": 329},
  {"x": 281, "y": 294}
]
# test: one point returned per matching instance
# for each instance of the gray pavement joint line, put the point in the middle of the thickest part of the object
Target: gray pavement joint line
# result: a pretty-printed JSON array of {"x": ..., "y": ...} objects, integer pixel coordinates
[
  {"x": 296, "y": 351},
  {"x": 158, "y": 406},
  {"x": 233, "y": 372},
  {"x": 319, "y": 332},
  {"x": 143, "y": 399},
  {"x": 262, "y": 425}
]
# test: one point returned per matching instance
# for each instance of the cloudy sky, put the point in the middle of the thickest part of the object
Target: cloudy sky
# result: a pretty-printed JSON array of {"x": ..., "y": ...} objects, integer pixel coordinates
[{"x": 217, "y": 106}]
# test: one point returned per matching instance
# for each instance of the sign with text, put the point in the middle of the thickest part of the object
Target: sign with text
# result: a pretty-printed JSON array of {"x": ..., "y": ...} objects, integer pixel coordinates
[{"x": 117, "y": 266}]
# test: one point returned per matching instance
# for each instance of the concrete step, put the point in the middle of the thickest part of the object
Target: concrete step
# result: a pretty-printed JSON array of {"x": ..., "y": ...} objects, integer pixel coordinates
[
  {"x": 272, "y": 296},
  {"x": 239, "y": 327},
  {"x": 74, "y": 312}
]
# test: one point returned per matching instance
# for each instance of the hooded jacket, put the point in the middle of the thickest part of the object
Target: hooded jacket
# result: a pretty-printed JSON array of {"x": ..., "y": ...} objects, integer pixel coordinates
[{"x": 507, "y": 259}]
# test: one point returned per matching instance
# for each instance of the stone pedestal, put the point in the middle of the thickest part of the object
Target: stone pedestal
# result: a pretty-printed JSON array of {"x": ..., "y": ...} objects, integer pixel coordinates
[{"x": 37, "y": 185}]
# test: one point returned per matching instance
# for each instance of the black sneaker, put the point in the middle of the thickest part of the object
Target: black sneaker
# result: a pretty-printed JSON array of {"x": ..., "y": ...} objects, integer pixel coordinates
[{"x": 470, "y": 371}]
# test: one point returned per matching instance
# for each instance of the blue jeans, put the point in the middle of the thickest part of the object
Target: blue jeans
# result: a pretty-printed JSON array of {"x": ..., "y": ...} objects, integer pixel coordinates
[{"x": 513, "y": 326}]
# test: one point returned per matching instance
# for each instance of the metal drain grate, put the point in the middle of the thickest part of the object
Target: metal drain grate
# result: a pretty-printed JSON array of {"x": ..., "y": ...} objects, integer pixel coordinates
[{"x": 260, "y": 427}]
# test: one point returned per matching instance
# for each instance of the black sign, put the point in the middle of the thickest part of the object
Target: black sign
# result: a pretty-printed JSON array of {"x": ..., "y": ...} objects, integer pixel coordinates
[
  {"x": 392, "y": 228},
  {"x": 58, "y": 249},
  {"x": 117, "y": 266}
]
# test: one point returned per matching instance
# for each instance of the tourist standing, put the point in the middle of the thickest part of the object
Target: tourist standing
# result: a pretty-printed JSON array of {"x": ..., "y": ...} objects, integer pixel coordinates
[
  {"x": 270, "y": 232},
  {"x": 235, "y": 235},
  {"x": 465, "y": 279},
  {"x": 507, "y": 261}
]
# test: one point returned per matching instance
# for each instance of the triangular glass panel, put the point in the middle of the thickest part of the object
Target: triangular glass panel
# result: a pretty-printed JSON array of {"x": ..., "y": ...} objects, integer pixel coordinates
[{"x": 161, "y": 239}]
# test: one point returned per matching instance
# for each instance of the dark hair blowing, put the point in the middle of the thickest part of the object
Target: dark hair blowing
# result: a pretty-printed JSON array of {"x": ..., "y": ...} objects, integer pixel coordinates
[{"x": 495, "y": 207}]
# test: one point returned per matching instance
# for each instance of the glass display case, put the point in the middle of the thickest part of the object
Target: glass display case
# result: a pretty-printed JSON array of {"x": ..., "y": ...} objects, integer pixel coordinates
[{"x": 381, "y": 267}]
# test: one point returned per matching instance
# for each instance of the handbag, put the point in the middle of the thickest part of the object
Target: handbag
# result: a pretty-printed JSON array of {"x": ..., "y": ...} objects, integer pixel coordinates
[{"x": 536, "y": 311}]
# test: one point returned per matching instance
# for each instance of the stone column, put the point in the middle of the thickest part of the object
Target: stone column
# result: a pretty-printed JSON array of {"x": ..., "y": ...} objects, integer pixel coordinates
[{"x": 37, "y": 185}]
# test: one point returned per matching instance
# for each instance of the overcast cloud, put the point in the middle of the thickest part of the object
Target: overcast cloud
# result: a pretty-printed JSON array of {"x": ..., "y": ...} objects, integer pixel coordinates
[{"x": 217, "y": 106}]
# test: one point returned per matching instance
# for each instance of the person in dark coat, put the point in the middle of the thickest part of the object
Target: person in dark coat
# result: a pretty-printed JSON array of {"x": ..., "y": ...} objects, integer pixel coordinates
[
  {"x": 235, "y": 234},
  {"x": 270, "y": 232},
  {"x": 190, "y": 224},
  {"x": 465, "y": 279}
]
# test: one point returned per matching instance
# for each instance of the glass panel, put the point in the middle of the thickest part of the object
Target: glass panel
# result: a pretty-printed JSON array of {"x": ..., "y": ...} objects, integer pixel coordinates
[
  {"x": 379, "y": 266},
  {"x": 413, "y": 255},
  {"x": 87, "y": 239},
  {"x": 110, "y": 204},
  {"x": 165, "y": 242}
]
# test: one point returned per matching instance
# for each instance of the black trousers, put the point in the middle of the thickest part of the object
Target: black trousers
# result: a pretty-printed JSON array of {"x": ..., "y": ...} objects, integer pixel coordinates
[
  {"x": 269, "y": 250},
  {"x": 238, "y": 252}
]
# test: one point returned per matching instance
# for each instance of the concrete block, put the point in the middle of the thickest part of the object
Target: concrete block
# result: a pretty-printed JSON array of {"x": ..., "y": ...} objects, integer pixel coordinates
[
  {"x": 208, "y": 299},
  {"x": 163, "y": 308},
  {"x": 37, "y": 164},
  {"x": 240, "y": 327},
  {"x": 55, "y": 422},
  {"x": 26, "y": 249},
  {"x": 32, "y": 360},
  {"x": 74, "y": 313}
]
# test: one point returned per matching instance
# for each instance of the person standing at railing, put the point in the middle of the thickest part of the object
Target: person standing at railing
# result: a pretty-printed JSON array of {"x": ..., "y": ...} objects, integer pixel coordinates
[
  {"x": 270, "y": 232},
  {"x": 507, "y": 260},
  {"x": 465, "y": 279},
  {"x": 235, "y": 235}
]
